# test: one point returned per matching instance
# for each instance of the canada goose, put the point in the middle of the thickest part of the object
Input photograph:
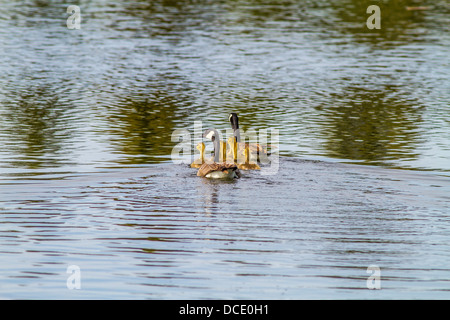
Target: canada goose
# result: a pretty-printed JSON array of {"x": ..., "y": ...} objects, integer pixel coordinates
[
  {"x": 197, "y": 163},
  {"x": 216, "y": 169},
  {"x": 253, "y": 147},
  {"x": 245, "y": 165},
  {"x": 234, "y": 120}
]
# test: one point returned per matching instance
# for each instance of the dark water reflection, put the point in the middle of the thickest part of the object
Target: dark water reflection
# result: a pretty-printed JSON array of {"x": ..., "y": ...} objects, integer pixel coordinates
[
  {"x": 399, "y": 26},
  {"x": 136, "y": 71},
  {"x": 77, "y": 105},
  {"x": 372, "y": 126}
]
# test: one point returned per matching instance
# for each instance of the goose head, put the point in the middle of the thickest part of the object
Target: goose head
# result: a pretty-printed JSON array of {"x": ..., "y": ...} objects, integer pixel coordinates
[
  {"x": 234, "y": 120},
  {"x": 213, "y": 135}
]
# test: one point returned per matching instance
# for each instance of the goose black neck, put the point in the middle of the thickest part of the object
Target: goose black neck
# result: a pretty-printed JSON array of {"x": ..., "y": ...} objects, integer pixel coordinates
[{"x": 235, "y": 125}]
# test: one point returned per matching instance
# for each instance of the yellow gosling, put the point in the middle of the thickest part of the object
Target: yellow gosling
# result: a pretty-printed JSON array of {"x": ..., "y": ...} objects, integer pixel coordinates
[
  {"x": 201, "y": 160},
  {"x": 217, "y": 169},
  {"x": 232, "y": 150},
  {"x": 223, "y": 150},
  {"x": 247, "y": 165}
]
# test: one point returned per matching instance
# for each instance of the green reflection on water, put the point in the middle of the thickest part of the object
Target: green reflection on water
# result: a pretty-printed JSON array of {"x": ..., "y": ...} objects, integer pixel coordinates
[
  {"x": 140, "y": 130},
  {"x": 36, "y": 125},
  {"x": 372, "y": 126},
  {"x": 399, "y": 24}
]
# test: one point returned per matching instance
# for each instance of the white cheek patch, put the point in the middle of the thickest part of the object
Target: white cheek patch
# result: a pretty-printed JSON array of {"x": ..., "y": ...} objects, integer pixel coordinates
[{"x": 210, "y": 135}]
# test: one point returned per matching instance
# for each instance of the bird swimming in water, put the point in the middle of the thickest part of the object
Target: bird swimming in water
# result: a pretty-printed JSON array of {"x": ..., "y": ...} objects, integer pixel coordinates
[
  {"x": 217, "y": 169},
  {"x": 197, "y": 163}
]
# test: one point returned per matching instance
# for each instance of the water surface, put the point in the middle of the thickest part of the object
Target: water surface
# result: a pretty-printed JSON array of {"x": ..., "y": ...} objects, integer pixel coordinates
[
  {"x": 311, "y": 231},
  {"x": 87, "y": 179}
]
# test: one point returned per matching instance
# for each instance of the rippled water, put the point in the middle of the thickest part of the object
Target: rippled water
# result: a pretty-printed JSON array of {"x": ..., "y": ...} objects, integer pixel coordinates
[
  {"x": 311, "y": 231},
  {"x": 86, "y": 176}
]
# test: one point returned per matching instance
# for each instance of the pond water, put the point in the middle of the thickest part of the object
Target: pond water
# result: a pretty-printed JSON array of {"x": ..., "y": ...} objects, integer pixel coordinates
[{"x": 87, "y": 177}]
